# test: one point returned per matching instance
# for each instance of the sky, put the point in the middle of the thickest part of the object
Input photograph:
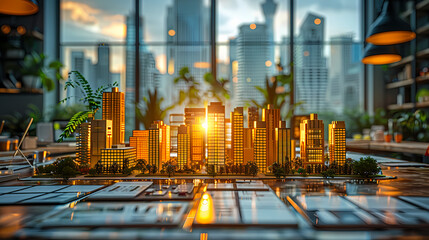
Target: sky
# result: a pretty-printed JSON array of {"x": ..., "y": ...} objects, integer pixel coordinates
[{"x": 92, "y": 21}]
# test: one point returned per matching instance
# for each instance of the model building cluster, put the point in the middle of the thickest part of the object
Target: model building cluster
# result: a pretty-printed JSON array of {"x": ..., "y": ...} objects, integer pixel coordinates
[{"x": 204, "y": 138}]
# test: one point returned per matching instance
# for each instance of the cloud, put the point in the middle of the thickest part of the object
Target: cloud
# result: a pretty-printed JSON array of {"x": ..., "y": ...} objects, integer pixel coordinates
[
  {"x": 115, "y": 29},
  {"x": 80, "y": 12}
]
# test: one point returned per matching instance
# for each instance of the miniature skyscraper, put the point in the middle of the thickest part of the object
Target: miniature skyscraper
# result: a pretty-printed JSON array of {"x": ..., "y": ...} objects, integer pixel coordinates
[
  {"x": 101, "y": 138},
  {"x": 194, "y": 120},
  {"x": 114, "y": 110},
  {"x": 260, "y": 145},
  {"x": 154, "y": 146},
  {"x": 312, "y": 143},
  {"x": 140, "y": 141},
  {"x": 183, "y": 147},
  {"x": 337, "y": 143},
  {"x": 283, "y": 144},
  {"x": 216, "y": 134},
  {"x": 83, "y": 143},
  {"x": 271, "y": 117},
  {"x": 252, "y": 116},
  {"x": 237, "y": 136}
]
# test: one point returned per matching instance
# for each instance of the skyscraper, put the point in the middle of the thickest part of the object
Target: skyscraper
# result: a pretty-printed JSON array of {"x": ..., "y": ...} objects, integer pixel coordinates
[
  {"x": 83, "y": 143},
  {"x": 175, "y": 121},
  {"x": 247, "y": 145},
  {"x": 140, "y": 141},
  {"x": 311, "y": 73},
  {"x": 101, "y": 138},
  {"x": 237, "y": 135},
  {"x": 154, "y": 146},
  {"x": 103, "y": 64},
  {"x": 337, "y": 143},
  {"x": 269, "y": 9},
  {"x": 216, "y": 134},
  {"x": 271, "y": 117},
  {"x": 183, "y": 147},
  {"x": 283, "y": 144},
  {"x": 312, "y": 143},
  {"x": 83, "y": 65},
  {"x": 123, "y": 158},
  {"x": 252, "y": 54},
  {"x": 114, "y": 109},
  {"x": 194, "y": 119},
  {"x": 252, "y": 116},
  {"x": 164, "y": 134},
  {"x": 260, "y": 146}
]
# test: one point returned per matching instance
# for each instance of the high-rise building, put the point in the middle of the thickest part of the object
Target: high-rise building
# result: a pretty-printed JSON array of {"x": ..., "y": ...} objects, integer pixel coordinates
[
  {"x": 269, "y": 9},
  {"x": 84, "y": 66},
  {"x": 237, "y": 135},
  {"x": 228, "y": 138},
  {"x": 102, "y": 71},
  {"x": 140, "y": 141},
  {"x": 337, "y": 142},
  {"x": 194, "y": 119},
  {"x": 164, "y": 134},
  {"x": 154, "y": 146},
  {"x": 247, "y": 145},
  {"x": 175, "y": 121},
  {"x": 183, "y": 147},
  {"x": 312, "y": 143},
  {"x": 216, "y": 134},
  {"x": 271, "y": 117},
  {"x": 283, "y": 144},
  {"x": 124, "y": 157},
  {"x": 83, "y": 143},
  {"x": 252, "y": 116},
  {"x": 260, "y": 146},
  {"x": 252, "y": 55},
  {"x": 114, "y": 109},
  {"x": 101, "y": 138},
  {"x": 311, "y": 73}
]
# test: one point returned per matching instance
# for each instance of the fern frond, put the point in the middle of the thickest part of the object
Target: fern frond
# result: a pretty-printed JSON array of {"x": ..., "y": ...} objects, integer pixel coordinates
[{"x": 74, "y": 122}]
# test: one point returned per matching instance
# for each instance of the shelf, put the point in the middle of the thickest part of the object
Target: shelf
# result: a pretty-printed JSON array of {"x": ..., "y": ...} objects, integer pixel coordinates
[
  {"x": 24, "y": 91},
  {"x": 401, "y": 107},
  {"x": 401, "y": 83},
  {"x": 406, "y": 13},
  {"x": 422, "y": 104},
  {"x": 404, "y": 61},
  {"x": 422, "y": 79},
  {"x": 423, "y": 53},
  {"x": 423, "y": 30},
  {"x": 423, "y": 5}
]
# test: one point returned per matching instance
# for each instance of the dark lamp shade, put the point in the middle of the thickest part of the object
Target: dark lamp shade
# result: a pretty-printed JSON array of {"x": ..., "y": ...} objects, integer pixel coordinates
[
  {"x": 389, "y": 28},
  {"x": 18, "y": 7},
  {"x": 379, "y": 55}
]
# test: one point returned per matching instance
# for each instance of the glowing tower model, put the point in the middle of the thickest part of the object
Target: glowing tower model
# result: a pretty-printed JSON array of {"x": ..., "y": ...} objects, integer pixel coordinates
[
  {"x": 237, "y": 136},
  {"x": 247, "y": 145},
  {"x": 83, "y": 142},
  {"x": 154, "y": 146},
  {"x": 312, "y": 142},
  {"x": 271, "y": 117},
  {"x": 183, "y": 147},
  {"x": 140, "y": 141},
  {"x": 124, "y": 157},
  {"x": 252, "y": 116},
  {"x": 164, "y": 138},
  {"x": 114, "y": 110},
  {"x": 216, "y": 134},
  {"x": 260, "y": 145},
  {"x": 101, "y": 137},
  {"x": 337, "y": 142},
  {"x": 283, "y": 144},
  {"x": 194, "y": 119}
]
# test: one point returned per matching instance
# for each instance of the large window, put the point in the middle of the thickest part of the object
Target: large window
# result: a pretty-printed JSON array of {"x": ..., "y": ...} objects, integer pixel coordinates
[{"x": 98, "y": 38}]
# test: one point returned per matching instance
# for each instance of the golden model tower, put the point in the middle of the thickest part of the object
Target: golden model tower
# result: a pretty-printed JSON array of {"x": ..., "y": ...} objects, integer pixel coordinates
[
  {"x": 194, "y": 119},
  {"x": 216, "y": 134},
  {"x": 114, "y": 110},
  {"x": 312, "y": 142},
  {"x": 247, "y": 145},
  {"x": 252, "y": 116},
  {"x": 260, "y": 145},
  {"x": 337, "y": 142},
  {"x": 83, "y": 143},
  {"x": 271, "y": 117},
  {"x": 124, "y": 157},
  {"x": 101, "y": 137},
  {"x": 154, "y": 146},
  {"x": 283, "y": 144},
  {"x": 237, "y": 135},
  {"x": 140, "y": 141},
  {"x": 183, "y": 147}
]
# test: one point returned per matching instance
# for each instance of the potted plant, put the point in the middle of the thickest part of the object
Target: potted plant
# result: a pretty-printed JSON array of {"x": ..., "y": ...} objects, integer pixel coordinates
[
  {"x": 34, "y": 71},
  {"x": 422, "y": 95}
]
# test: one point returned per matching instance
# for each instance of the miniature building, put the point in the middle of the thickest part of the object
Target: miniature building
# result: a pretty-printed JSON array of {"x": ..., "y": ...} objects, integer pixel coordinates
[
  {"x": 283, "y": 144},
  {"x": 124, "y": 157},
  {"x": 114, "y": 109},
  {"x": 271, "y": 117},
  {"x": 175, "y": 121},
  {"x": 312, "y": 143},
  {"x": 154, "y": 146},
  {"x": 140, "y": 141},
  {"x": 216, "y": 134},
  {"x": 260, "y": 145},
  {"x": 101, "y": 137},
  {"x": 164, "y": 138},
  {"x": 83, "y": 143},
  {"x": 252, "y": 116},
  {"x": 183, "y": 147},
  {"x": 237, "y": 137},
  {"x": 337, "y": 142},
  {"x": 194, "y": 119},
  {"x": 247, "y": 145}
]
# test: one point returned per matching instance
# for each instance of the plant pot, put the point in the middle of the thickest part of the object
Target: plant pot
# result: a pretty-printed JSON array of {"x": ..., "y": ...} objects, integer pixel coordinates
[
  {"x": 31, "y": 82},
  {"x": 30, "y": 142}
]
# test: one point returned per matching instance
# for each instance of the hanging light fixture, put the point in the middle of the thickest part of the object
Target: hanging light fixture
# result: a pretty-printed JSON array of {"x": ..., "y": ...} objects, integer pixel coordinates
[
  {"x": 380, "y": 54},
  {"x": 389, "y": 28},
  {"x": 18, "y": 7}
]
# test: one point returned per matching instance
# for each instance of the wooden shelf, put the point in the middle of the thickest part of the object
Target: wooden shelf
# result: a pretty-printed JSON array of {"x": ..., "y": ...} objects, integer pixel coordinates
[
  {"x": 404, "y": 61},
  {"x": 422, "y": 104},
  {"x": 404, "y": 106},
  {"x": 423, "y": 5},
  {"x": 421, "y": 79},
  {"x": 423, "y": 53},
  {"x": 24, "y": 91},
  {"x": 423, "y": 30},
  {"x": 401, "y": 83}
]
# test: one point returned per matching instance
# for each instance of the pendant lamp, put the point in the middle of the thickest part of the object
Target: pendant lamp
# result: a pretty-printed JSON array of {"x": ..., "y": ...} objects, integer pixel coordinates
[
  {"x": 18, "y": 7},
  {"x": 380, "y": 54}
]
